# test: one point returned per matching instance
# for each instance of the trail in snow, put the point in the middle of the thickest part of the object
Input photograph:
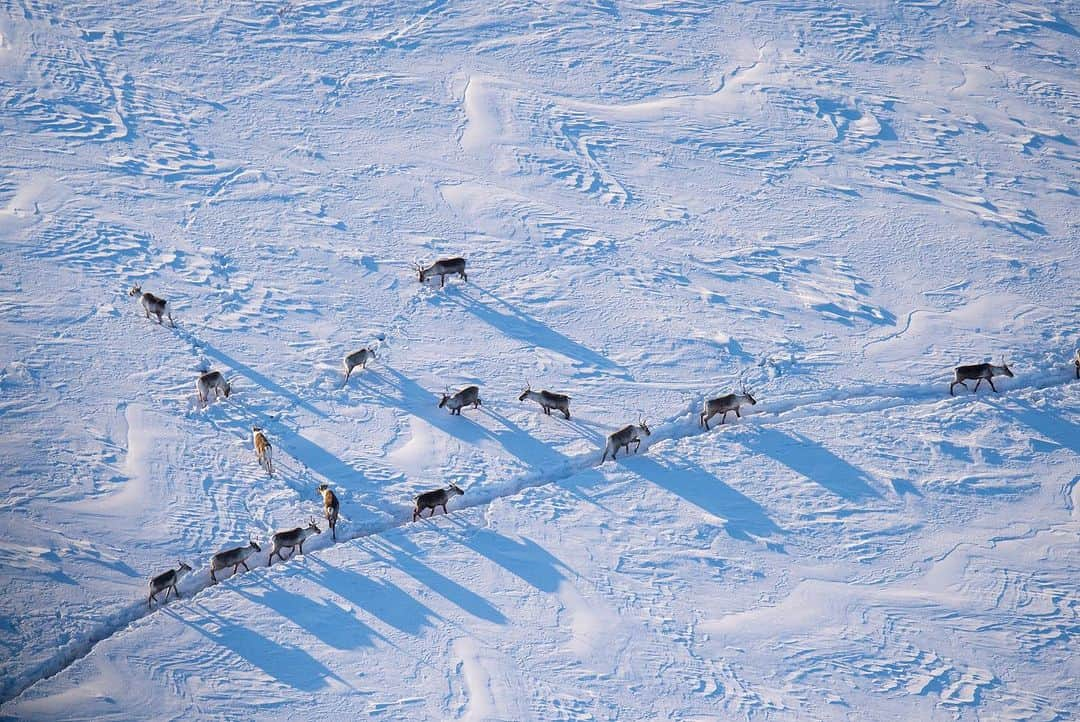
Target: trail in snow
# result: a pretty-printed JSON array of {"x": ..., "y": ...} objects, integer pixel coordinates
[{"x": 681, "y": 426}]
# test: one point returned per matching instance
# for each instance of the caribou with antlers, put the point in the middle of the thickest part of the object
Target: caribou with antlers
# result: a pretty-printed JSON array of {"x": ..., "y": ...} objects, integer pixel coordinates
[
  {"x": 330, "y": 507},
  {"x": 357, "y": 358},
  {"x": 468, "y": 395},
  {"x": 724, "y": 404},
  {"x": 166, "y": 581},
  {"x": 442, "y": 268},
  {"x": 152, "y": 304},
  {"x": 979, "y": 373},
  {"x": 547, "y": 400},
  {"x": 234, "y": 558},
  {"x": 623, "y": 438},
  {"x": 433, "y": 499},
  {"x": 291, "y": 539}
]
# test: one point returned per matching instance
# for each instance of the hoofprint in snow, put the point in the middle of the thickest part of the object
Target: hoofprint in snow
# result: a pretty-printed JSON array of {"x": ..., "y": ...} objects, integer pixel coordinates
[{"x": 835, "y": 204}]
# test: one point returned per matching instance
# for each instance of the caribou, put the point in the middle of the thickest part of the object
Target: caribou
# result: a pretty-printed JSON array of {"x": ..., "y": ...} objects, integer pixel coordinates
[
  {"x": 166, "y": 581},
  {"x": 152, "y": 304},
  {"x": 357, "y": 358},
  {"x": 330, "y": 507},
  {"x": 1076, "y": 363},
  {"x": 233, "y": 558},
  {"x": 290, "y": 539},
  {"x": 433, "y": 499},
  {"x": 623, "y": 438},
  {"x": 723, "y": 405},
  {"x": 547, "y": 400},
  {"x": 263, "y": 450},
  {"x": 979, "y": 372},
  {"x": 212, "y": 380},
  {"x": 468, "y": 395},
  {"x": 442, "y": 268}
]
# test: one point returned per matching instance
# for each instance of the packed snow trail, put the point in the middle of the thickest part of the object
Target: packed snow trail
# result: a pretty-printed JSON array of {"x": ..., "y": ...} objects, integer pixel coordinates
[{"x": 680, "y": 426}]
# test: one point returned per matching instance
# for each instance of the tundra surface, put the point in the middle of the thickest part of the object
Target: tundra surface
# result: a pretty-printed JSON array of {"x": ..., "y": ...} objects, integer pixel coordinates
[{"x": 836, "y": 202}]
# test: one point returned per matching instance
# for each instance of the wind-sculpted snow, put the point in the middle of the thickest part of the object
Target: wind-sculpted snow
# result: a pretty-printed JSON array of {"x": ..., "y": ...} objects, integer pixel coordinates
[{"x": 659, "y": 202}]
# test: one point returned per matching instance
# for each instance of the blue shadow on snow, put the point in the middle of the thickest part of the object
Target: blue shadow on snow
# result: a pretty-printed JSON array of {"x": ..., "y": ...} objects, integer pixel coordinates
[
  {"x": 743, "y": 517},
  {"x": 809, "y": 458},
  {"x": 516, "y": 324},
  {"x": 403, "y": 555},
  {"x": 289, "y": 665},
  {"x": 379, "y": 597},
  {"x": 331, "y": 624}
]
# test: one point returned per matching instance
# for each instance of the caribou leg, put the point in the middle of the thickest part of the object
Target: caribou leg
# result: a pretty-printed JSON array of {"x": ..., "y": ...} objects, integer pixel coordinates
[
  {"x": 991, "y": 382},
  {"x": 977, "y": 382}
]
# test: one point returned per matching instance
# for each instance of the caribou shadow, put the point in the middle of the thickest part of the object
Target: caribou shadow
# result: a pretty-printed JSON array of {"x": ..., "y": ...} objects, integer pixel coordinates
[
  {"x": 307, "y": 452},
  {"x": 809, "y": 458},
  {"x": 289, "y": 665},
  {"x": 516, "y": 324},
  {"x": 525, "y": 559},
  {"x": 403, "y": 555},
  {"x": 743, "y": 517},
  {"x": 1047, "y": 423},
  {"x": 397, "y": 390},
  {"x": 380, "y": 597},
  {"x": 524, "y": 445},
  {"x": 264, "y": 381},
  {"x": 333, "y": 625}
]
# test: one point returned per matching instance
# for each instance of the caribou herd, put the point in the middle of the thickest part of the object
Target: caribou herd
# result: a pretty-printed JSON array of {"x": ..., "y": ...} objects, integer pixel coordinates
[{"x": 215, "y": 382}]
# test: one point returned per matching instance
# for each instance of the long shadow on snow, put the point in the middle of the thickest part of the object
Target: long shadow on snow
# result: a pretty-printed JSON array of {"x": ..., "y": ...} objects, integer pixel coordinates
[
  {"x": 1046, "y": 422},
  {"x": 330, "y": 623},
  {"x": 404, "y": 555},
  {"x": 381, "y": 598},
  {"x": 413, "y": 399},
  {"x": 525, "y": 559},
  {"x": 519, "y": 325},
  {"x": 809, "y": 458},
  {"x": 264, "y": 381},
  {"x": 311, "y": 455},
  {"x": 289, "y": 665},
  {"x": 524, "y": 445},
  {"x": 742, "y": 515}
]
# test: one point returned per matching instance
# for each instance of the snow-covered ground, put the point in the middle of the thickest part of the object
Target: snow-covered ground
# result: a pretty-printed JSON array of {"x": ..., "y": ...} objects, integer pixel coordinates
[{"x": 834, "y": 204}]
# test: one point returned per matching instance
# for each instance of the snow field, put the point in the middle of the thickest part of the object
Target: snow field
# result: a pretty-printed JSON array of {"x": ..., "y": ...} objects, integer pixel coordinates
[{"x": 837, "y": 203}]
